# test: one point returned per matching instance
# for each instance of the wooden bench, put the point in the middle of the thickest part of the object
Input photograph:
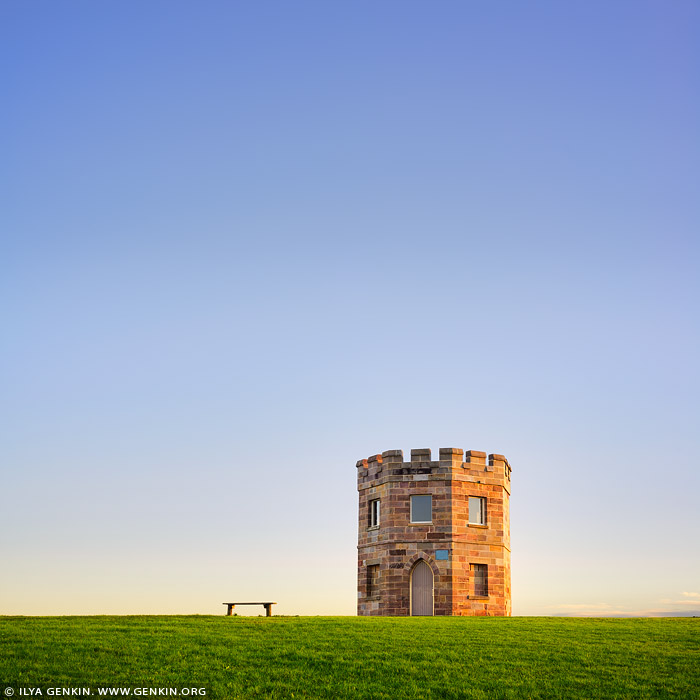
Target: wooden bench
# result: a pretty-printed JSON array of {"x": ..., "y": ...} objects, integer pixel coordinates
[{"x": 267, "y": 606}]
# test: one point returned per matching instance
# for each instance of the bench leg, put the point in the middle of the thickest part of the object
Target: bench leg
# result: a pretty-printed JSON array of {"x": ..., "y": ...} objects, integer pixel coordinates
[
  {"x": 268, "y": 610},
  {"x": 230, "y": 609}
]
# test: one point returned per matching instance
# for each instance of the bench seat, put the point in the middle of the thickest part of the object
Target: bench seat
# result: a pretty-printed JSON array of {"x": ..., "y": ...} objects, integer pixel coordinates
[{"x": 267, "y": 606}]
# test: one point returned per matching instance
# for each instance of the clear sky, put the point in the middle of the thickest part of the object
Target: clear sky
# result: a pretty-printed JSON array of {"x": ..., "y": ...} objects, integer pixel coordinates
[{"x": 243, "y": 245}]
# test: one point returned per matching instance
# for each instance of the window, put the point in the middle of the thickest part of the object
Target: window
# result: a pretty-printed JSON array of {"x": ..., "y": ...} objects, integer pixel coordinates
[
  {"x": 477, "y": 511},
  {"x": 374, "y": 513},
  {"x": 480, "y": 577},
  {"x": 372, "y": 580},
  {"x": 421, "y": 509}
]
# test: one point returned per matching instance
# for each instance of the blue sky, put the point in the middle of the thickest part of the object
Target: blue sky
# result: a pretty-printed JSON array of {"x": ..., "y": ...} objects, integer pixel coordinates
[{"x": 247, "y": 244}]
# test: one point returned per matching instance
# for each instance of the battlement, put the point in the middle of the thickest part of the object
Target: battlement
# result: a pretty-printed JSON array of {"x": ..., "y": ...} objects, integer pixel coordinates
[
  {"x": 453, "y": 455},
  {"x": 450, "y": 460}
]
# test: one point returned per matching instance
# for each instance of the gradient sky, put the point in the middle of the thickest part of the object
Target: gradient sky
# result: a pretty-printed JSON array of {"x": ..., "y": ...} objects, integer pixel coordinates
[{"x": 243, "y": 245}]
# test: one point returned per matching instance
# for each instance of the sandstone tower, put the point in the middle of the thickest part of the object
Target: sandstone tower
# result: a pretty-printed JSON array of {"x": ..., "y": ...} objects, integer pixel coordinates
[{"x": 434, "y": 537}]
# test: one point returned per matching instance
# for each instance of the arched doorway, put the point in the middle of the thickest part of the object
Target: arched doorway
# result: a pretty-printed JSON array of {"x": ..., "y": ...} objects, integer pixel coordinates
[{"x": 421, "y": 589}]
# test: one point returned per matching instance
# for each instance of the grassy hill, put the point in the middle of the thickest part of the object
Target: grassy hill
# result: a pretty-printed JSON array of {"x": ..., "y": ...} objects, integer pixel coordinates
[{"x": 348, "y": 657}]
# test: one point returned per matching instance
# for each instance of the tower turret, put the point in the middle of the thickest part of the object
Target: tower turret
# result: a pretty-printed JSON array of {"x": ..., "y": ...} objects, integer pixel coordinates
[{"x": 434, "y": 536}]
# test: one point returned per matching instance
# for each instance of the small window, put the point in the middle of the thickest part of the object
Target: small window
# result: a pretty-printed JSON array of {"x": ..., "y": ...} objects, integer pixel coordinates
[
  {"x": 374, "y": 513},
  {"x": 421, "y": 509},
  {"x": 372, "y": 580},
  {"x": 480, "y": 578},
  {"x": 477, "y": 511}
]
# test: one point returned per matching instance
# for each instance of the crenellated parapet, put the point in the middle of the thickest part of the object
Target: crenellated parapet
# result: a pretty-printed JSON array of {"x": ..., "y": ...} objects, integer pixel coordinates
[{"x": 451, "y": 461}]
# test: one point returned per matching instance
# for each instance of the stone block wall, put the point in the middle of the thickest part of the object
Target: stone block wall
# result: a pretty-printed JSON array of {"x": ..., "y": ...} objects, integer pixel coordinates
[{"x": 450, "y": 545}]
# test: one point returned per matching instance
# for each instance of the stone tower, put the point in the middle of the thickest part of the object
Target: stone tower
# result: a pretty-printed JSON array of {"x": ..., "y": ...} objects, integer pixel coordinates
[{"x": 434, "y": 536}]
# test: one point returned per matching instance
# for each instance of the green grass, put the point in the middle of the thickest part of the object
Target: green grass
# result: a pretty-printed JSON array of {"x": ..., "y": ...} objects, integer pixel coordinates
[{"x": 348, "y": 657}]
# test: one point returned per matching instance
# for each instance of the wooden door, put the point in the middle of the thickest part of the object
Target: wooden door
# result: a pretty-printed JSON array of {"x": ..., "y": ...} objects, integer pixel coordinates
[{"x": 421, "y": 589}]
